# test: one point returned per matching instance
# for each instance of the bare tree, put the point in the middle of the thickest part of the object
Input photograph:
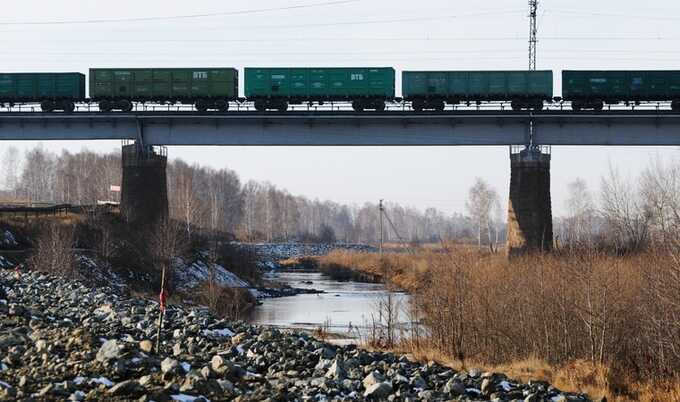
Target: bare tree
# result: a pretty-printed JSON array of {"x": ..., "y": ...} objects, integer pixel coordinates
[
  {"x": 578, "y": 224},
  {"x": 10, "y": 169},
  {"x": 481, "y": 202},
  {"x": 624, "y": 212}
]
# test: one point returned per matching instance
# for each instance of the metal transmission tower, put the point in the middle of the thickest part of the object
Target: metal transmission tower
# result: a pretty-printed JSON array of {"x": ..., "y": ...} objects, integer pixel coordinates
[{"x": 533, "y": 32}]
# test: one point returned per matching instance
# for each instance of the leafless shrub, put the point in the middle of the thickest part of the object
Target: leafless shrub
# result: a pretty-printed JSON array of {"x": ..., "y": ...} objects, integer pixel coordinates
[
  {"x": 53, "y": 250},
  {"x": 223, "y": 301}
]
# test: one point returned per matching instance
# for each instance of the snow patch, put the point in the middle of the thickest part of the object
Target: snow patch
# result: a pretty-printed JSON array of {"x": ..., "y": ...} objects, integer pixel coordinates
[
  {"x": 186, "y": 367},
  {"x": 186, "y": 398},
  {"x": 102, "y": 380},
  {"x": 506, "y": 386},
  {"x": 191, "y": 275},
  {"x": 216, "y": 333}
]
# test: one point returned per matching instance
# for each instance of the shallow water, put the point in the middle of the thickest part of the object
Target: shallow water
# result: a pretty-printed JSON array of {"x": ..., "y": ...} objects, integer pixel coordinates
[{"x": 346, "y": 308}]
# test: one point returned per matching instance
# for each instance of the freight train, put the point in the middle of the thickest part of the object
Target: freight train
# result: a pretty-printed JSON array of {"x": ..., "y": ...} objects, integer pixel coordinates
[{"x": 366, "y": 88}]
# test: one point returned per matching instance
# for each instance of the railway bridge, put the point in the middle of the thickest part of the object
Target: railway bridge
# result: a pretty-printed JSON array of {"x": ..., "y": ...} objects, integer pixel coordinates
[{"x": 144, "y": 197}]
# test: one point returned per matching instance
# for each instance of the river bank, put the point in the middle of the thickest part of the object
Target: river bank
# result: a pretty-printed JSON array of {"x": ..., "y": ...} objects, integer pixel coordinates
[{"x": 64, "y": 341}]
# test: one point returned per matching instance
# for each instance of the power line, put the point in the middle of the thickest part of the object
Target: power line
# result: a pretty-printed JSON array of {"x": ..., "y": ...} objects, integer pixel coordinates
[
  {"x": 399, "y": 20},
  {"x": 349, "y": 39},
  {"x": 581, "y": 13},
  {"x": 178, "y": 17}
]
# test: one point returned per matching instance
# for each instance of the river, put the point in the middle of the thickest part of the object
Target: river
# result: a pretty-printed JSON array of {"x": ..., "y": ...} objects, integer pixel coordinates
[{"x": 345, "y": 308}]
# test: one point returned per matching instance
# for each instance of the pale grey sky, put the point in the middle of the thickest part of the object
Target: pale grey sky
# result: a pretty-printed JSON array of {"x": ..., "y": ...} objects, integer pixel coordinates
[{"x": 74, "y": 35}]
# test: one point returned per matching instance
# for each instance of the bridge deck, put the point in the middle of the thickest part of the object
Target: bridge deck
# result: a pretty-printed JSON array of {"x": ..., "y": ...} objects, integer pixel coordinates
[{"x": 349, "y": 128}]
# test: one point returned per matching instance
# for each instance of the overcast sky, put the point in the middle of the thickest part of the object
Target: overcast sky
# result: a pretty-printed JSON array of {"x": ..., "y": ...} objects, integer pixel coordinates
[{"x": 74, "y": 35}]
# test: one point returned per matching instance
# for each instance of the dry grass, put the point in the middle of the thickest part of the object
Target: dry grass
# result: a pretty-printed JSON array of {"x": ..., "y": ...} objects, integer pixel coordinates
[
  {"x": 405, "y": 271},
  {"x": 590, "y": 322}
]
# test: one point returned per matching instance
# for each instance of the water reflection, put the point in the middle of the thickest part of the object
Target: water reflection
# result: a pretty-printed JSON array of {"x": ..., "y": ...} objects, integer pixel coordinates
[{"x": 346, "y": 308}]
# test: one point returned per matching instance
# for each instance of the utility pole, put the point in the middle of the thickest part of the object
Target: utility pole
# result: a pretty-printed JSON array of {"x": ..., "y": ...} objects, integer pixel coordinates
[
  {"x": 381, "y": 227},
  {"x": 533, "y": 43},
  {"x": 533, "y": 33}
]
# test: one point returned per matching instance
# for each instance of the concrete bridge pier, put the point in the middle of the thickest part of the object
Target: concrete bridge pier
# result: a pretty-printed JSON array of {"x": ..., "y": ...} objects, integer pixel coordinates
[
  {"x": 530, "y": 227},
  {"x": 144, "y": 196}
]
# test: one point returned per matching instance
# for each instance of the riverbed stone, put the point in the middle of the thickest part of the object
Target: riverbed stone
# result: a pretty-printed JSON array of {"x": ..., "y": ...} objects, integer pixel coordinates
[
  {"x": 378, "y": 390},
  {"x": 146, "y": 346},
  {"x": 109, "y": 350}
]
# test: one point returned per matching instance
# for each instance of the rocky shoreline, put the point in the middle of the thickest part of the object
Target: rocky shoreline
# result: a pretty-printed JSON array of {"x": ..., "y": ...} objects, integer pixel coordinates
[{"x": 60, "y": 340}]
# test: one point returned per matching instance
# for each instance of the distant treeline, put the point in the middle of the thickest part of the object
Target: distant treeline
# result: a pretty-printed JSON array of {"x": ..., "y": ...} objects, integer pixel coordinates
[{"x": 202, "y": 197}]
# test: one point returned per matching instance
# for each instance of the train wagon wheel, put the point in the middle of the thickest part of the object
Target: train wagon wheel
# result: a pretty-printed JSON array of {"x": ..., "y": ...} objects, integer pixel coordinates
[
  {"x": 537, "y": 104},
  {"x": 125, "y": 105},
  {"x": 105, "y": 106},
  {"x": 68, "y": 106},
  {"x": 675, "y": 105},
  {"x": 282, "y": 106},
  {"x": 201, "y": 106},
  {"x": 261, "y": 105},
  {"x": 358, "y": 105},
  {"x": 516, "y": 104},
  {"x": 47, "y": 106},
  {"x": 438, "y": 106},
  {"x": 222, "y": 106},
  {"x": 598, "y": 105},
  {"x": 418, "y": 105},
  {"x": 379, "y": 106}
]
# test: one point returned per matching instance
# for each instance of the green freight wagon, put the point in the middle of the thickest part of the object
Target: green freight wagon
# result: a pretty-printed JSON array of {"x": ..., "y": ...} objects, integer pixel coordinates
[
  {"x": 592, "y": 89},
  {"x": 206, "y": 88},
  {"x": 54, "y": 91},
  {"x": 434, "y": 89},
  {"x": 275, "y": 88}
]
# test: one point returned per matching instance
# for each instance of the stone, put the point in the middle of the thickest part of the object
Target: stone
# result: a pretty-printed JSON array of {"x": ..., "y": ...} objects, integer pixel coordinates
[
  {"x": 239, "y": 338},
  {"x": 146, "y": 346},
  {"x": 41, "y": 345},
  {"x": 124, "y": 387},
  {"x": 373, "y": 378},
  {"x": 169, "y": 365},
  {"x": 487, "y": 386},
  {"x": 418, "y": 382},
  {"x": 220, "y": 365},
  {"x": 109, "y": 350},
  {"x": 77, "y": 396},
  {"x": 336, "y": 371},
  {"x": 454, "y": 387},
  {"x": 9, "y": 340},
  {"x": 378, "y": 391}
]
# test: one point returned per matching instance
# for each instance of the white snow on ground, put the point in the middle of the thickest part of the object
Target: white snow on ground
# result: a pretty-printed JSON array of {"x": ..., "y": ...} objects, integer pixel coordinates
[
  {"x": 217, "y": 333},
  {"x": 102, "y": 380},
  {"x": 280, "y": 251},
  {"x": 186, "y": 398},
  {"x": 192, "y": 275},
  {"x": 8, "y": 239},
  {"x": 102, "y": 274}
]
